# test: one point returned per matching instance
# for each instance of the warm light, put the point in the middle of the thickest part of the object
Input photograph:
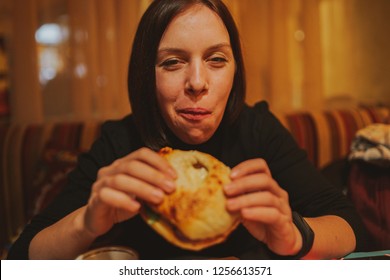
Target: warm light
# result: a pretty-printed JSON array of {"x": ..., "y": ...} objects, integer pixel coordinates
[
  {"x": 50, "y": 34},
  {"x": 299, "y": 35},
  {"x": 50, "y": 38},
  {"x": 80, "y": 70},
  {"x": 50, "y": 64}
]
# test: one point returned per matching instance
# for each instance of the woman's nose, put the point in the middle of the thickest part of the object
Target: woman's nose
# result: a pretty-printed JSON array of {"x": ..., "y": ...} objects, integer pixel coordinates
[{"x": 197, "y": 81}]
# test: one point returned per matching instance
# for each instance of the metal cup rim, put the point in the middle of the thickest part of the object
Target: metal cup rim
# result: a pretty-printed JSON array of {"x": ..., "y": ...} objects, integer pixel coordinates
[{"x": 88, "y": 254}]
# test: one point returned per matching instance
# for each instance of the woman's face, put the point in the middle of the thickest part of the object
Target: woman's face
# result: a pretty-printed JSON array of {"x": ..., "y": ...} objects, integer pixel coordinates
[{"x": 194, "y": 74}]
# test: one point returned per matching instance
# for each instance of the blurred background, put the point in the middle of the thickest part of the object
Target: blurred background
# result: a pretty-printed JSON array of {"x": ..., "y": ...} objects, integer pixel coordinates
[{"x": 67, "y": 59}]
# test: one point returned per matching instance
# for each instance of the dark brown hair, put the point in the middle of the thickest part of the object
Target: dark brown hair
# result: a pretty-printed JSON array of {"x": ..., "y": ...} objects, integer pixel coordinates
[{"x": 142, "y": 78}]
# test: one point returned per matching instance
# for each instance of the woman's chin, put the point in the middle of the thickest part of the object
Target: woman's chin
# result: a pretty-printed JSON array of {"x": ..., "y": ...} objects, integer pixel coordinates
[
  {"x": 194, "y": 141},
  {"x": 195, "y": 138}
]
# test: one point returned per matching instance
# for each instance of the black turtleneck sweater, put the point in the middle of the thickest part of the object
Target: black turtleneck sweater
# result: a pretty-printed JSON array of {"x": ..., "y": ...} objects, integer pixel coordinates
[{"x": 257, "y": 134}]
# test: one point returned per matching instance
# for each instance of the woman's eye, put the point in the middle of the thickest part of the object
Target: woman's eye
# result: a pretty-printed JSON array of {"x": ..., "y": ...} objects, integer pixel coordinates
[
  {"x": 218, "y": 61},
  {"x": 170, "y": 63}
]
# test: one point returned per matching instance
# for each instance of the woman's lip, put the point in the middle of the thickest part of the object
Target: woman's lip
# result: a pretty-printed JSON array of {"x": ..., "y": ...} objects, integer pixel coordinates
[{"x": 194, "y": 114}]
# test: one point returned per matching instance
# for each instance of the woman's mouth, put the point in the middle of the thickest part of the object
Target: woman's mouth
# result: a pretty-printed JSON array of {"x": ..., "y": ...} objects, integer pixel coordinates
[{"x": 194, "y": 114}]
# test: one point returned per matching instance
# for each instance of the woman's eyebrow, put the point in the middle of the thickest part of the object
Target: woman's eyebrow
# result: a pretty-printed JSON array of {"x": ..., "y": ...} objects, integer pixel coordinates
[
  {"x": 169, "y": 50},
  {"x": 215, "y": 47},
  {"x": 219, "y": 47}
]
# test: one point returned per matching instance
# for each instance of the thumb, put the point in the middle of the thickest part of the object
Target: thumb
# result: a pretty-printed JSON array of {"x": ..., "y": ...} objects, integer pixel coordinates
[{"x": 255, "y": 228}]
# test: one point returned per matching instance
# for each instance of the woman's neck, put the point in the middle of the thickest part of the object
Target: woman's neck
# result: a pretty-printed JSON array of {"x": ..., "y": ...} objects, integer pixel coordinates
[{"x": 212, "y": 146}]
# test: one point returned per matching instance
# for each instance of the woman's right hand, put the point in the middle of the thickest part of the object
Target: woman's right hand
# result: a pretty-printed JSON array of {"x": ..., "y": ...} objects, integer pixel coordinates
[{"x": 116, "y": 194}]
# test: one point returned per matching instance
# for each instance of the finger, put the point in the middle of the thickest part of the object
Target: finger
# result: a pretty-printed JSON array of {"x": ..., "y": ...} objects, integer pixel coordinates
[
  {"x": 258, "y": 199},
  {"x": 265, "y": 215},
  {"x": 133, "y": 187},
  {"x": 252, "y": 183},
  {"x": 117, "y": 199},
  {"x": 154, "y": 159},
  {"x": 148, "y": 174},
  {"x": 144, "y": 155},
  {"x": 250, "y": 166}
]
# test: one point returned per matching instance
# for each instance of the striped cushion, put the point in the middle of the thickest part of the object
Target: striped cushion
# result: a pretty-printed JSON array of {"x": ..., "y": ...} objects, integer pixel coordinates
[
  {"x": 3, "y": 207},
  {"x": 327, "y": 135},
  {"x": 22, "y": 148},
  {"x": 50, "y": 178},
  {"x": 77, "y": 135},
  {"x": 12, "y": 189}
]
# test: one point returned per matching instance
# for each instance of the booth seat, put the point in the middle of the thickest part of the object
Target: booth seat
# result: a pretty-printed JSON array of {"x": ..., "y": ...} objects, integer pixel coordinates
[{"x": 35, "y": 158}]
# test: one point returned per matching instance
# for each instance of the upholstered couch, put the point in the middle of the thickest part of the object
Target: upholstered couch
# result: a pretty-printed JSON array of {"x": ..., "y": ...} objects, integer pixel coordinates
[{"x": 35, "y": 158}]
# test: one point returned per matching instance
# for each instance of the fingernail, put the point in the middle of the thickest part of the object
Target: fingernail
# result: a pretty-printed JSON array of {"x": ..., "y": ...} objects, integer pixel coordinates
[
  {"x": 234, "y": 173},
  {"x": 169, "y": 185},
  {"x": 227, "y": 188},
  {"x": 172, "y": 172},
  {"x": 158, "y": 195},
  {"x": 230, "y": 204}
]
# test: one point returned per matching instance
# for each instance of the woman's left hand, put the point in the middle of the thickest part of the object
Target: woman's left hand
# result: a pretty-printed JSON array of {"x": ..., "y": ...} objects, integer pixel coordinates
[{"x": 263, "y": 206}]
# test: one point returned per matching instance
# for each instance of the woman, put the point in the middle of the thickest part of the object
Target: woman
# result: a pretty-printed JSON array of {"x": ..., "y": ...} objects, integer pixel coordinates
[{"x": 186, "y": 87}]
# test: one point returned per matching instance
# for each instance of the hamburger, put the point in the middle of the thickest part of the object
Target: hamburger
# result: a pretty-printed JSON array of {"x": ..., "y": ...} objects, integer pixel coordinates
[{"x": 193, "y": 217}]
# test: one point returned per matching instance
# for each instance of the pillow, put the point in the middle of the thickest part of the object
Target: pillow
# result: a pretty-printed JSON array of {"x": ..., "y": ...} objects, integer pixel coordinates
[
  {"x": 372, "y": 144},
  {"x": 51, "y": 177}
]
